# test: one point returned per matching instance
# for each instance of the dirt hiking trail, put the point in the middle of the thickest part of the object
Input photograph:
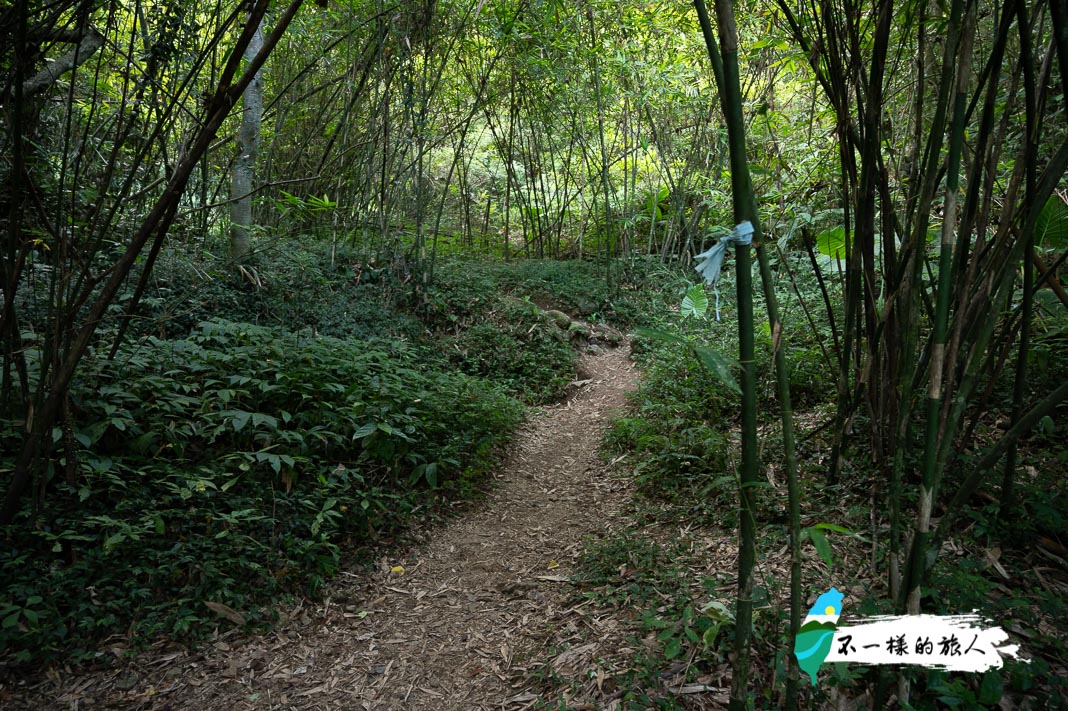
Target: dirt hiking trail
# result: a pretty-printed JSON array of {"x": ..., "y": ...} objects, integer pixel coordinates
[{"x": 455, "y": 629}]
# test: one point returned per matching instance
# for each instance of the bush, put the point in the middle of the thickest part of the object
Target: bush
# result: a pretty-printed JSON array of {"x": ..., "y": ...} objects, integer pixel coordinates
[
  {"x": 294, "y": 285},
  {"x": 227, "y": 468},
  {"x": 519, "y": 348},
  {"x": 677, "y": 429},
  {"x": 465, "y": 289}
]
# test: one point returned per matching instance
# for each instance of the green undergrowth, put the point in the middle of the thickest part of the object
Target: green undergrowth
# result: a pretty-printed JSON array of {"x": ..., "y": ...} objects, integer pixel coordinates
[
  {"x": 679, "y": 441},
  {"x": 494, "y": 322},
  {"x": 463, "y": 288},
  {"x": 260, "y": 426},
  {"x": 677, "y": 627},
  {"x": 232, "y": 466},
  {"x": 683, "y": 422},
  {"x": 518, "y": 347}
]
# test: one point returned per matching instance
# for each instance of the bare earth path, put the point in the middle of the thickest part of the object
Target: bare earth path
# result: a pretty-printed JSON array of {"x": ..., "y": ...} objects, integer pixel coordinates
[{"x": 450, "y": 632}]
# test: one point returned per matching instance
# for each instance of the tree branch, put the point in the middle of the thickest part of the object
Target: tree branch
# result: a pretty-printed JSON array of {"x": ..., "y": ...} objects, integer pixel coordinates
[{"x": 88, "y": 43}]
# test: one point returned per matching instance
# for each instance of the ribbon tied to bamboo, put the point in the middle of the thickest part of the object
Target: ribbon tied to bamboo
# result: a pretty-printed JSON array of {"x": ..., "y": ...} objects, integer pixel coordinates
[{"x": 713, "y": 257}]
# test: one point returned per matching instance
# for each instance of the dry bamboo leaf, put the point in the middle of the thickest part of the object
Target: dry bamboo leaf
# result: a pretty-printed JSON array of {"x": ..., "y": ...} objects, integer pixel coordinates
[{"x": 226, "y": 611}]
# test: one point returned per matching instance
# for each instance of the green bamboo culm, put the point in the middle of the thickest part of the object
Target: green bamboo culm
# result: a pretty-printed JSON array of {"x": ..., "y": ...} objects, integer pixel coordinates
[
  {"x": 782, "y": 377},
  {"x": 932, "y": 472},
  {"x": 1019, "y": 389},
  {"x": 744, "y": 203}
]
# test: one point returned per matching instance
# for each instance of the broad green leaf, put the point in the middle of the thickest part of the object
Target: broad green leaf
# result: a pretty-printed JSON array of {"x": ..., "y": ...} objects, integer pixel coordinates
[
  {"x": 1045, "y": 425},
  {"x": 259, "y": 418},
  {"x": 111, "y": 541},
  {"x": 832, "y": 243},
  {"x": 716, "y": 610},
  {"x": 272, "y": 459},
  {"x": 673, "y": 649},
  {"x": 719, "y": 366},
  {"x": 143, "y": 443},
  {"x": 1051, "y": 228},
  {"x": 695, "y": 303},
  {"x": 239, "y": 419},
  {"x": 365, "y": 431},
  {"x": 991, "y": 689},
  {"x": 709, "y": 637}
]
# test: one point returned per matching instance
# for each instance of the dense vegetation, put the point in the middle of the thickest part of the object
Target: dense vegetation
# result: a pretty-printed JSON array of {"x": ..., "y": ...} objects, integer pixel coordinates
[
  {"x": 275, "y": 285},
  {"x": 235, "y": 462},
  {"x": 680, "y": 441}
]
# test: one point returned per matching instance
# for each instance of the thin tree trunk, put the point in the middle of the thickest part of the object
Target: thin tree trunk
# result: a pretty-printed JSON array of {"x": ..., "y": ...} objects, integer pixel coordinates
[
  {"x": 932, "y": 474},
  {"x": 1019, "y": 389},
  {"x": 248, "y": 150},
  {"x": 54, "y": 392},
  {"x": 604, "y": 153}
]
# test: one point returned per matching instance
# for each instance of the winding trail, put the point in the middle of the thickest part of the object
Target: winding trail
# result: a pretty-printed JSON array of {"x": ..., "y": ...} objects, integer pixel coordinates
[{"x": 455, "y": 630}]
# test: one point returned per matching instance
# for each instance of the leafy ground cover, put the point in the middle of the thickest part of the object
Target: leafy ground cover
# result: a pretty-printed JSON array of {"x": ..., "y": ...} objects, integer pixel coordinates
[{"x": 256, "y": 430}]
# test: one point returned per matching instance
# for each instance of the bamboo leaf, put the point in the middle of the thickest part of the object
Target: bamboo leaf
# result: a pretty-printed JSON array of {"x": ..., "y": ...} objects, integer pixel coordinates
[
  {"x": 719, "y": 366},
  {"x": 662, "y": 336},
  {"x": 823, "y": 547}
]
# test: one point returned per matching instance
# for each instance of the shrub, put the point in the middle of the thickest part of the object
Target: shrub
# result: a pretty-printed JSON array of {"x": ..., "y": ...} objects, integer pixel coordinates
[
  {"x": 519, "y": 348},
  {"x": 294, "y": 285},
  {"x": 227, "y": 468}
]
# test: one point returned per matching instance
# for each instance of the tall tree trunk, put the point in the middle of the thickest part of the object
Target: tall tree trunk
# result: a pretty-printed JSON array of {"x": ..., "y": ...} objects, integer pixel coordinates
[
  {"x": 744, "y": 204},
  {"x": 1019, "y": 390},
  {"x": 932, "y": 474},
  {"x": 248, "y": 149},
  {"x": 607, "y": 235}
]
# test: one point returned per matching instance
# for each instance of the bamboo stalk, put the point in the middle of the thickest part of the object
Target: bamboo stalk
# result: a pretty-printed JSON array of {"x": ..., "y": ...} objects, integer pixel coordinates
[{"x": 744, "y": 203}]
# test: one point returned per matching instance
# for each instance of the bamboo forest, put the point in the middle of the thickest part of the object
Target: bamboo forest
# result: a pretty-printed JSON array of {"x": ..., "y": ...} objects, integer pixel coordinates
[{"x": 534, "y": 354}]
